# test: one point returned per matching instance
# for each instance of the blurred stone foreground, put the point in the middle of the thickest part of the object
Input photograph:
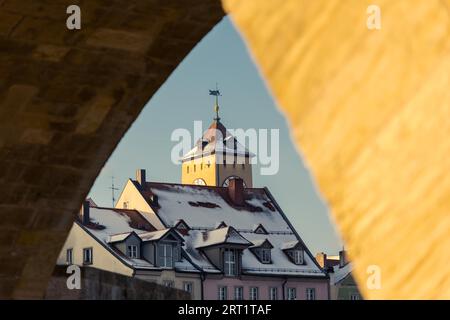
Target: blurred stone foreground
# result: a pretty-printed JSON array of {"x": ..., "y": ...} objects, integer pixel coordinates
[{"x": 370, "y": 112}]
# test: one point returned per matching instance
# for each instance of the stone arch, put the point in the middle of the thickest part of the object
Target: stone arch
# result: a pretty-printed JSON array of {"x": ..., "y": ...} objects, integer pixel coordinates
[{"x": 66, "y": 99}]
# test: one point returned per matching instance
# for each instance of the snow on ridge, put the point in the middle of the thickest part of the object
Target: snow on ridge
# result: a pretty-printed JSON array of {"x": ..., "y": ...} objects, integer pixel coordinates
[{"x": 174, "y": 204}]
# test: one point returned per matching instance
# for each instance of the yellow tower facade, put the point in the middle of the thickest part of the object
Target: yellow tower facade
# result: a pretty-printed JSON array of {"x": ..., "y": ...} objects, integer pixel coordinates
[{"x": 216, "y": 158}]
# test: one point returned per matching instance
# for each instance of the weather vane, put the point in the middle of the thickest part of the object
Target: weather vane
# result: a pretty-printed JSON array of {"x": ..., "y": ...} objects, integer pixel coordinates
[{"x": 216, "y": 93}]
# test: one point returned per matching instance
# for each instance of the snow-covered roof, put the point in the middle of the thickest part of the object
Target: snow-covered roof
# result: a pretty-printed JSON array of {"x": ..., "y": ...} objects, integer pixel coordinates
[
  {"x": 153, "y": 235},
  {"x": 119, "y": 237},
  {"x": 260, "y": 242},
  {"x": 226, "y": 235},
  {"x": 217, "y": 139},
  {"x": 203, "y": 207},
  {"x": 289, "y": 245},
  {"x": 340, "y": 273}
]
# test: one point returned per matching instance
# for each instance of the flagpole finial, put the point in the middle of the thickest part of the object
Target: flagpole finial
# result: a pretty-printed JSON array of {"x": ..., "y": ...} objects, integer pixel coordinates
[{"x": 216, "y": 93}]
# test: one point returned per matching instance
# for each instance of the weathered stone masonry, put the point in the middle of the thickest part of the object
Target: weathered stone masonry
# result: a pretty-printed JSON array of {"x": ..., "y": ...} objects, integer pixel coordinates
[{"x": 66, "y": 99}]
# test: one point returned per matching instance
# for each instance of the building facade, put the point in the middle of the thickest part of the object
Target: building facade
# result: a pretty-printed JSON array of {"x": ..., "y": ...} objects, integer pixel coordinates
[
  {"x": 214, "y": 235},
  {"x": 124, "y": 242}
]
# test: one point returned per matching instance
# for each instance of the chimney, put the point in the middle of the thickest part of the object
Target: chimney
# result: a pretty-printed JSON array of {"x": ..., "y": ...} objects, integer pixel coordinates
[
  {"x": 85, "y": 218},
  {"x": 321, "y": 259},
  {"x": 342, "y": 258},
  {"x": 236, "y": 191},
  {"x": 140, "y": 176}
]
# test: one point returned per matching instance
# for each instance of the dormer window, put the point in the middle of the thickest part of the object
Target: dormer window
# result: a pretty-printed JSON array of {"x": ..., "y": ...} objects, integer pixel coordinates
[
  {"x": 265, "y": 255},
  {"x": 296, "y": 255},
  {"x": 164, "y": 247},
  {"x": 262, "y": 250},
  {"x": 182, "y": 227},
  {"x": 224, "y": 247},
  {"x": 259, "y": 229},
  {"x": 294, "y": 250},
  {"x": 132, "y": 251},
  {"x": 165, "y": 255},
  {"x": 229, "y": 260}
]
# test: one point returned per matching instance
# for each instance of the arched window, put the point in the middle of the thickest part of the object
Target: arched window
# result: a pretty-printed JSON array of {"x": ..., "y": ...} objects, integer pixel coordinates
[
  {"x": 200, "y": 182},
  {"x": 227, "y": 181}
]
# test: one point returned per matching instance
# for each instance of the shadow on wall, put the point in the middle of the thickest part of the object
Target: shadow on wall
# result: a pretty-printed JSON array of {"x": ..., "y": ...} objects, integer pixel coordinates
[{"x": 103, "y": 285}]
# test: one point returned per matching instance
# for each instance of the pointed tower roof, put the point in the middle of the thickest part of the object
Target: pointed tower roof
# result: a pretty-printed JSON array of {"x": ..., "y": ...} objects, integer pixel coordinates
[{"x": 217, "y": 139}]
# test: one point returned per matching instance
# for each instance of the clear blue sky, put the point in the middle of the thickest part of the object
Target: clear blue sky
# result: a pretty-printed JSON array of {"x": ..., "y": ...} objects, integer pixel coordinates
[{"x": 245, "y": 103}]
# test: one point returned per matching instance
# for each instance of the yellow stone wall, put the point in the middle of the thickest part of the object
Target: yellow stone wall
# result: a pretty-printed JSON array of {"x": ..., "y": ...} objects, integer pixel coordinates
[
  {"x": 205, "y": 168},
  {"x": 214, "y": 172},
  {"x": 369, "y": 110}
]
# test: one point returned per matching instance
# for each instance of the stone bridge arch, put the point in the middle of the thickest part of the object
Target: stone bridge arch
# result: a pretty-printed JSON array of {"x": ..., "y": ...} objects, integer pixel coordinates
[{"x": 66, "y": 99}]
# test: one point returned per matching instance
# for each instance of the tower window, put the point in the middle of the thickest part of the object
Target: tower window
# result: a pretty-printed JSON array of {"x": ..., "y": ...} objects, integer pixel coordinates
[
  {"x": 195, "y": 167},
  {"x": 243, "y": 166},
  {"x": 200, "y": 182},
  {"x": 201, "y": 166},
  {"x": 187, "y": 169}
]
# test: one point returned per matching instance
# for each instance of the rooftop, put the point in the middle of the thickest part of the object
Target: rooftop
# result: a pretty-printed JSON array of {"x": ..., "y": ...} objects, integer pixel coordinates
[
  {"x": 216, "y": 139},
  {"x": 202, "y": 208}
]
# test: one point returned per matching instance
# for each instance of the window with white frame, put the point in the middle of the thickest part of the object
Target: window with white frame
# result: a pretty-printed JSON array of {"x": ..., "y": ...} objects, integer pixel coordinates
[
  {"x": 273, "y": 293},
  {"x": 69, "y": 256},
  {"x": 165, "y": 255},
  {"x": 238, "y": 293},
  {"x": 355, "y": 296},
  {"x": 229, "y": 260},
  {"x": 187, "y": 286},
  {"x": 265, "y": 255},
  {"x": 222, "y": 293},
  {"x": 297, "y": 256},
  {"x": 254, "y": 293},
  {"x": 310, "y": 294},
  {"x": 87, "y": 256},
  {"x": 291, "y": 293},
  {"x": 132, "y": 251}
]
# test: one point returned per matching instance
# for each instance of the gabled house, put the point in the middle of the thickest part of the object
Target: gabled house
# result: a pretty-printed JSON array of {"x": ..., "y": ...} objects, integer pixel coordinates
[
  {"x": 124, "y": 241},
  {"x": 242, "y": 244},
  {"x": 214, "y": 235}
]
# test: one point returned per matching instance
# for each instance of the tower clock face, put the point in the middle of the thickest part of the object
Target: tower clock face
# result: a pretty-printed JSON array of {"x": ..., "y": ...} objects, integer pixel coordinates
[
  {"x": 226, "y": 183},
  {"x": 200, "y": 182}
]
